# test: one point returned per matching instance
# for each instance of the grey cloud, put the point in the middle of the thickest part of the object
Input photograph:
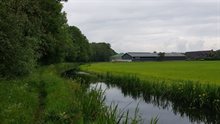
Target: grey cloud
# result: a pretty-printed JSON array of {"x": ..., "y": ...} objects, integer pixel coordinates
[{"x": 148, "y": 25}]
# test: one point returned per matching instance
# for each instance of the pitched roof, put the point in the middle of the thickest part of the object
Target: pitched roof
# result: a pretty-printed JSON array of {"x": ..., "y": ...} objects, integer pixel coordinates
[
  {"x": 174, "y": 54},
  {"x": 142, "y": 54},
  {"x": 205, "y": 51},
  {"x": 147, "y": 54}
]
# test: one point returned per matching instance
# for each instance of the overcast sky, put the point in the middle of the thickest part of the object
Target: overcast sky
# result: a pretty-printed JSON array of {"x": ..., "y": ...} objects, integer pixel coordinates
[{"x": 148, "y": 25}]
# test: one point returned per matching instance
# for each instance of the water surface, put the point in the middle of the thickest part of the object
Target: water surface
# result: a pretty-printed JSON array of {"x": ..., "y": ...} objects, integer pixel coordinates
[{"x": 165, "y": 113}]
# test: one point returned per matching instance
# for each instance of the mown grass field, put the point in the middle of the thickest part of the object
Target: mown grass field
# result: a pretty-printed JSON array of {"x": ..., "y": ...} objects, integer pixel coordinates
[{"x": 202, "y": 71}]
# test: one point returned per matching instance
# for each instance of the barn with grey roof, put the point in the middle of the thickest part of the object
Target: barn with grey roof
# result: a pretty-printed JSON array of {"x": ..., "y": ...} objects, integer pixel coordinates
[{"x": 147, "y": 56}]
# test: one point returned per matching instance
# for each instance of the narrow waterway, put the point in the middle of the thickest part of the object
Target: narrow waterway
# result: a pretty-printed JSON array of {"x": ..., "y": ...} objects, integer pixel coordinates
[{"x": 166, "y": 115}]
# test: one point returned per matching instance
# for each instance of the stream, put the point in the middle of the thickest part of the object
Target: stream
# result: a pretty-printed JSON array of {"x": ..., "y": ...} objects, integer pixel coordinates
[
  {"x": 166, "y": 115},
  {"x": 149, "y": 106}
]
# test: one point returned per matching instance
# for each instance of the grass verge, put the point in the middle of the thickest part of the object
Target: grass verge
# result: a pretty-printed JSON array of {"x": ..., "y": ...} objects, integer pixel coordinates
[{"x": 46, "y": 98}]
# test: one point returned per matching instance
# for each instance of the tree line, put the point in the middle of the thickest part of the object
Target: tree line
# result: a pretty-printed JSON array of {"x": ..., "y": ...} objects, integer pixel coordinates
[
  {"x": 214, "y": 55},
  {"x": 35, "y": 32}
]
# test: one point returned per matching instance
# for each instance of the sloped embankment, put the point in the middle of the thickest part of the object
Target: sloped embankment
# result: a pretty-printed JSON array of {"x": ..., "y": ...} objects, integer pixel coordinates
[{"x": 46, "y": 97}]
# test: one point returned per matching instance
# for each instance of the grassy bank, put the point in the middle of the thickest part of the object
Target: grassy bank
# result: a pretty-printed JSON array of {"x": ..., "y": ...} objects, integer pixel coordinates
[
  {"x": 202, "y": 71},
  {"x": 192, "y": 87},
  {"x": 45, "y": 97},
  {"x": 34, "y": 99},
  {"x": 186, "y": 96}
]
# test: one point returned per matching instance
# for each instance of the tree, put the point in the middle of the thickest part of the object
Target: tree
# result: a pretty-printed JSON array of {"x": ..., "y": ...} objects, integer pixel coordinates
[
  {"x": 55, "y": 36},
  {"x": 31, "y": 29},
  {"x": 161, "y": 56},
  {"x": 101, "y": 52},
  {"x": 81, "y": 51},
  {"x": 217, "y": 55},
  {"x": 18, "y": 37}
]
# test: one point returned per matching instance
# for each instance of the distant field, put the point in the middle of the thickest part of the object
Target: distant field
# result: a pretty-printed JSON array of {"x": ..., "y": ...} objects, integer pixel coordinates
[{"x": 202, "y": 71}]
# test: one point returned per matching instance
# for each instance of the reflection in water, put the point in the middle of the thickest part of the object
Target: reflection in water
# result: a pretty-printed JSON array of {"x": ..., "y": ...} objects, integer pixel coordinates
[
  {"x": 168, "y": 110},
  {"x": 136, "y": 90},
  {"x": 149, "y": 106}
]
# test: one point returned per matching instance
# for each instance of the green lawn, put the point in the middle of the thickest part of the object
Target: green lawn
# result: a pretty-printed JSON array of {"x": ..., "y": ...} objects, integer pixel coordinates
[{"x": 202, "y": 71}]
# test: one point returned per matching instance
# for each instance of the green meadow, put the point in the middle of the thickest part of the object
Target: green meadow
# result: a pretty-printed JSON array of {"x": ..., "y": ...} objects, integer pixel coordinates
[
  {"x": 45, "y": 97},
  {"x": 199, "y": 71},
  {"x": 191, "y": 86}
]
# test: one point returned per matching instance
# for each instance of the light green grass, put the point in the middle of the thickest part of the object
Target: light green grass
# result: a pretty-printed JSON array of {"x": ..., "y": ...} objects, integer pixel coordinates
[{"x": 202, "y": 71}]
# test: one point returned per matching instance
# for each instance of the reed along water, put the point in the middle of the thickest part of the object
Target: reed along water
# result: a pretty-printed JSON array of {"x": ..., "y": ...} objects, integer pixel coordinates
[
  {"x": 147, "y": 110},
  {"x": 129, "y": 96}
]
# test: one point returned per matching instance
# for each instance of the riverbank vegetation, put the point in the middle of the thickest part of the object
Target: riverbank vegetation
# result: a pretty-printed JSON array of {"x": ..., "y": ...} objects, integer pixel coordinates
[
  {"x": 46, "y": 97},
  {"x": 35, "y": 38},
  {"x": 198, "y": 101},
  {"x": 191, "y": 87}
]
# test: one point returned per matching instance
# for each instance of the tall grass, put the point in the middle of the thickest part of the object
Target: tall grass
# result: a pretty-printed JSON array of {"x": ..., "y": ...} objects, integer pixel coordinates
[
  {"x": 18, "y": 101},
  {"x": 187, "y": 97},
  {"x": 47, "y": 98}
]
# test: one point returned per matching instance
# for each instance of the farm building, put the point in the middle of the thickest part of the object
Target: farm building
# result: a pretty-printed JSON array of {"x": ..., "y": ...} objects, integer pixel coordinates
[
  {"x": 174, "y": 56},
  {"x": 140, "y": 56},
  {"x": 146, "y": 56},
  {"x": 196, "y": 55}
]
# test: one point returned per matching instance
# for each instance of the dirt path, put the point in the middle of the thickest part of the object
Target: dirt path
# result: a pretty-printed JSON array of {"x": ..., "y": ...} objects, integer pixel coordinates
[{"x": 39, "y": 114}]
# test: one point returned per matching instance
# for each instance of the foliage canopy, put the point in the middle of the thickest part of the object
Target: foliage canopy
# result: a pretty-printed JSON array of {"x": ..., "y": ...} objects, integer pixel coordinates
[{"x": 36, "y": 32}]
